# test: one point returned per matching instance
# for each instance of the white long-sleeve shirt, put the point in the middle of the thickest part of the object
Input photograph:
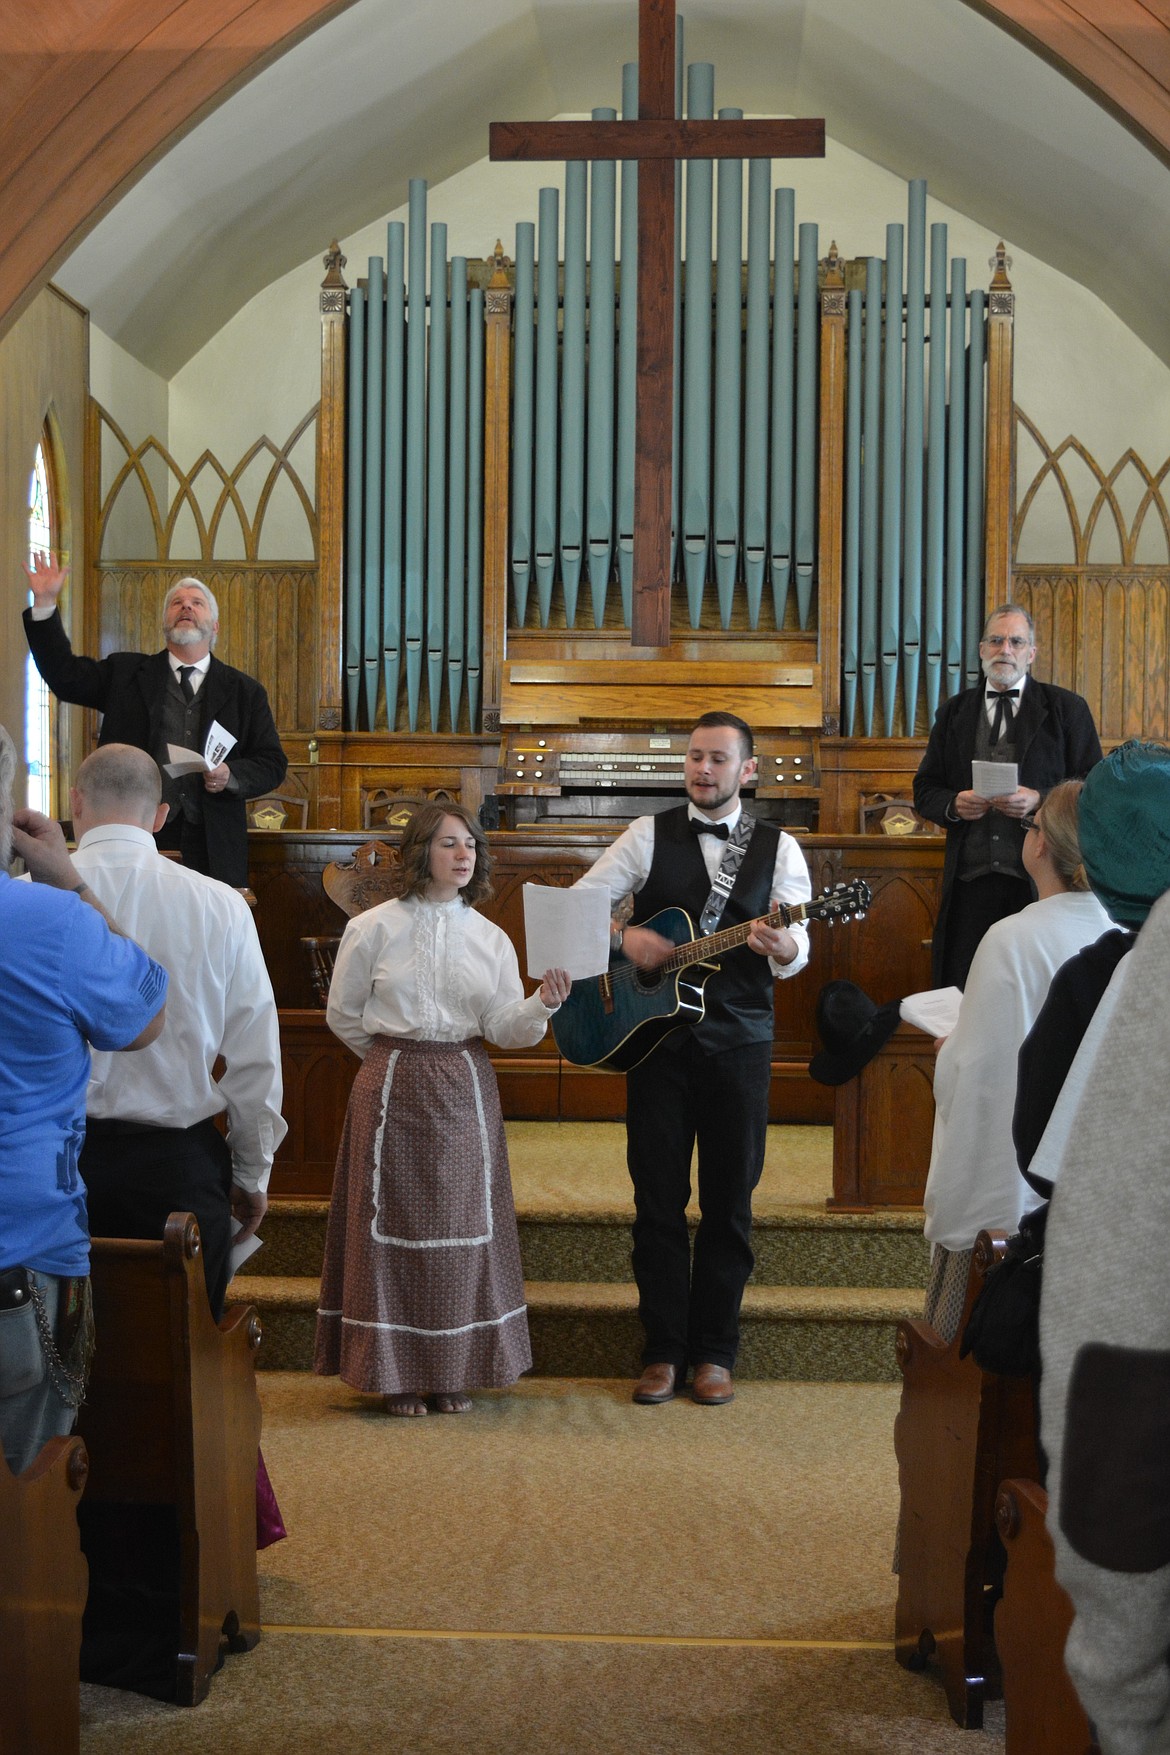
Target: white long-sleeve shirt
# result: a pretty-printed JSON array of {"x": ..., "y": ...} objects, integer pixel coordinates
[
  {"x": 220, "y": 1002},
  {"x": 625, "y": 865},
  {"x": 431, "y": 972}
]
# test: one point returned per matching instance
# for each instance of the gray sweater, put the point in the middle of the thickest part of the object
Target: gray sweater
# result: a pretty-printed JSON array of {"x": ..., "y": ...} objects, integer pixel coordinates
[{"x": 1105, "y": 1342}]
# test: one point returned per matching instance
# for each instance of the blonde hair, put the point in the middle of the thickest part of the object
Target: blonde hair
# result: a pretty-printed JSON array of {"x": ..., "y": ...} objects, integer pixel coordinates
[{"x": 1057, "y": 816}]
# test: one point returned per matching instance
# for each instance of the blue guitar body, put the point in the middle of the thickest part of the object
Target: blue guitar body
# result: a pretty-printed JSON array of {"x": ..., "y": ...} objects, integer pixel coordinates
[{"x": 617, "y": 1019}]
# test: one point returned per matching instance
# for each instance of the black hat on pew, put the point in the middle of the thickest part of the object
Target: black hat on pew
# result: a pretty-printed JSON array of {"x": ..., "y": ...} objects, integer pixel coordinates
[{"x": 852, "y": 1029}]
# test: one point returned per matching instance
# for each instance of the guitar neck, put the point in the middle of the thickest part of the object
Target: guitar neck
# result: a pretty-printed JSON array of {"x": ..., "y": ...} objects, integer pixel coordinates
[{"x": 699, "y": 949}]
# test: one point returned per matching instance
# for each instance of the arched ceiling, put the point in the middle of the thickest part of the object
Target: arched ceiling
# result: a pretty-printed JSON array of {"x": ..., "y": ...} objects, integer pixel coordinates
[{"x": 323, "y": 140}]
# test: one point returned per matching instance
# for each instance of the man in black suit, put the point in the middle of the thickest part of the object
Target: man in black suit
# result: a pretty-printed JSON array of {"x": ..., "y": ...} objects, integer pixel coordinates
[
  {"x": 707, "y": 1084},
  {"x": 1047, "y": 732},
  {"x": 172, "y": 696}
]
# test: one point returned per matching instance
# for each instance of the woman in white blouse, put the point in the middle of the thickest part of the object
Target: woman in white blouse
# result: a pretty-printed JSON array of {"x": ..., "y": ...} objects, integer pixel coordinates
[
  {"x": 974, "y": 1182},
  {"x": 422, "y": 1292}
]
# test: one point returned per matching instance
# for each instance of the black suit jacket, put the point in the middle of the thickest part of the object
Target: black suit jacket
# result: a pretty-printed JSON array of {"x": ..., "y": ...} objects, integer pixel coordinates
[
  {"x": 127, "y": 689},
  {"x": 1055, "y": 740}
]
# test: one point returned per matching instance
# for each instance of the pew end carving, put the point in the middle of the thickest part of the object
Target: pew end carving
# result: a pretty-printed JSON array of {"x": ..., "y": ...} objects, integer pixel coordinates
[
  {"x": 959, "y": 1432},
  {"x": 172, "y": 1426},
  {"x": 43, "y": 1583}
]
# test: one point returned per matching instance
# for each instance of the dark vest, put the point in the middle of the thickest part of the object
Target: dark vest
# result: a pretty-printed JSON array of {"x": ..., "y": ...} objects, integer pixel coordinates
[
  {"x": 181, "y": 722},
  {"x": 739, "y": 997},
  {"x": 993, "y": 843}
]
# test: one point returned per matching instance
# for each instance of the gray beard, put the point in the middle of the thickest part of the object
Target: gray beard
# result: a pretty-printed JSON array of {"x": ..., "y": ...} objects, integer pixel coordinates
[{"x": 186, "y": 637}]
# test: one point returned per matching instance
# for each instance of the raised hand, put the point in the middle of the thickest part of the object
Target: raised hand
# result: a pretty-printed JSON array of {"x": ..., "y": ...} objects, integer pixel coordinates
[{"x": 46, "y": 576}]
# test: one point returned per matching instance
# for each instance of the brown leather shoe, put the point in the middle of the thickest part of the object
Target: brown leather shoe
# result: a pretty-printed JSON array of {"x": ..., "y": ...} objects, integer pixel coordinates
[
  {"x": 712, "y": 1386},
  {"x": 656, "y": 1384}
]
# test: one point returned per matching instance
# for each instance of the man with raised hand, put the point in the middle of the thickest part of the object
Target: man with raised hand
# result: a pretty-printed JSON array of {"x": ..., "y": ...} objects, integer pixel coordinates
[{"x": 171, "y": 697}]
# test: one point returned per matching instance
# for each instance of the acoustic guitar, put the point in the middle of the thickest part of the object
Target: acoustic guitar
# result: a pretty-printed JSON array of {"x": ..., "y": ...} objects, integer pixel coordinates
[{"x": 615, "y": 1020}]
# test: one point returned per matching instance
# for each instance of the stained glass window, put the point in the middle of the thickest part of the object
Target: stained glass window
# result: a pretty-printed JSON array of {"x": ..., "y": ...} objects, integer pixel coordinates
[{"x": 38, "y": 730}]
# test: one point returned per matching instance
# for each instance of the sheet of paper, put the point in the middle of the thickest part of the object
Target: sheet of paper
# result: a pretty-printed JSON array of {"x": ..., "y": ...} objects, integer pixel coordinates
[
  {"x": 994, "y": 779},
  {"x": 184, "y": 762},
  {"x": 566, "y": 929},
  {"x": 218, "y": 745},
  {"x": 241, "y": 1251},
  {"x": 936, "y": 1011}
]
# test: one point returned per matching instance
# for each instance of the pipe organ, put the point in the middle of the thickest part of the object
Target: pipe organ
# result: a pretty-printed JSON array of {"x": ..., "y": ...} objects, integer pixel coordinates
[{"x": 836, "y": 421}]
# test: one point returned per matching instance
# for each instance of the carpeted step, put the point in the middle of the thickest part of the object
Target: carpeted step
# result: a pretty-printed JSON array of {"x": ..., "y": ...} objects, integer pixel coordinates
[
  {"x": 795, "y": 1246},
  {"x": 580, "y": 1329}
]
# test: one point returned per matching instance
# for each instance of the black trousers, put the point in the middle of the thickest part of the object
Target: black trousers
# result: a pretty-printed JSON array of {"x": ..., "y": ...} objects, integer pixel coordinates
[
  {"x": 178, "y": 835},
  {"x": 681, "y": 1096},
  {"x": 136, "y": 1177},
  {"x": 973, "y": 907}
]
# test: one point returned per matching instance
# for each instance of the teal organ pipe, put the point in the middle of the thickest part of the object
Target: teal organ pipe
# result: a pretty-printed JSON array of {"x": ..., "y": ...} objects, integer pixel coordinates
[
  {"x": 756, "y": 386},
  {"x": 545, "y": 498},
  {"x": 956, "y": 479},
  {"x": 891, "y": 478},
  {"x": 599, "y": 480},
  {"x": 457, "y": 493},
  {"x": 523, "y": 409},
  {"x": 696, "y": 364},
  {"x": 912, "y": 492},
  {"x": 416, "y": 438},
  {"x": 353, "y": 505},
  {"x": 973, "y": 583},
  {"x": 475, "y": 420},
  {"x": 627, "y": 355},
  {"x": 871, "y": 478},
  {"x": 572, "y": 506},
  {"x": 783, "y": 401},
  {"x": 437, "y": 473},
  {"x": 936, "y": 477},
  {"x": 728, "y": 376},
  {"x": 372, "y": 490},
  {"x": 392, "y": 492},
  {"x": 851, "y": 548},
  {"x": 807, "y": 313}
]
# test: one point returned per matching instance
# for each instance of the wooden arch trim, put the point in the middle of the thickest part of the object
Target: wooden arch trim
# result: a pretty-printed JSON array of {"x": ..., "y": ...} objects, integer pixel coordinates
[{"x": 93, "y": 91}]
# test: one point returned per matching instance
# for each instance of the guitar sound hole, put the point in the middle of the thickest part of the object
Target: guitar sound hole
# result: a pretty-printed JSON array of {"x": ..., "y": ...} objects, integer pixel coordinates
[{"x": 649, "y": 980}]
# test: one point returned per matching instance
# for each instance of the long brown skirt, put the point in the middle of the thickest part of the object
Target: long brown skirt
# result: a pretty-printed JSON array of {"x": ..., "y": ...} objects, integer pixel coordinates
[{"x": 422, "y": 1289}]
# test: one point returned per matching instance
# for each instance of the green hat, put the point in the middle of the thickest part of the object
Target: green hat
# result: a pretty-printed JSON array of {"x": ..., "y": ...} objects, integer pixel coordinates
[{"x": 1124, "y": 830}]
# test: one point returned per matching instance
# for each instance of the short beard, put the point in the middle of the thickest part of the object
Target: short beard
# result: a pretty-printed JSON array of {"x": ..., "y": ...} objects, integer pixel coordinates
[{"x": 188, "y": 636}]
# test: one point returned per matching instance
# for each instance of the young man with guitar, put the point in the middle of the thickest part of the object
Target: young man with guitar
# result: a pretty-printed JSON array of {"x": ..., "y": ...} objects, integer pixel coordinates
[{"x": 707, "y": 1082}]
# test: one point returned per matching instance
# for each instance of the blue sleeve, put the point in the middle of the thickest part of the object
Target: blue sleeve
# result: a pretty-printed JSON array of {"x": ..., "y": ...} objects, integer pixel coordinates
[{"x": 115, "y": 989}]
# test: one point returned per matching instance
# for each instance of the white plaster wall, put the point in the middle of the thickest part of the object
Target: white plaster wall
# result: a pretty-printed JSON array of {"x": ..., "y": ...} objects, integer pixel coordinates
[
  {"x": 139, "y": 400},
  {"x": 1078, "y": 368}
]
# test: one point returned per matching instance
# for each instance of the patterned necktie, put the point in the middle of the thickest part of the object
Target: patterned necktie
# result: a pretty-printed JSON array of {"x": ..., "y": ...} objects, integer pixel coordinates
[
  {"x": 1004, "y": 716},
  {"x": 185, "y": 681},
  {"x": 719, "y": 830}
]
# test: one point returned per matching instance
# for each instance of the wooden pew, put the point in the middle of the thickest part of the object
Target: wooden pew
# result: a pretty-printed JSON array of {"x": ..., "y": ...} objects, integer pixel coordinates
[
  {"x": 43, "y": 1581},
  {"x": 959, "y": 1433},
  {"x": 172, "y": 1423},
  {"x": 1043, "y": 1715}
]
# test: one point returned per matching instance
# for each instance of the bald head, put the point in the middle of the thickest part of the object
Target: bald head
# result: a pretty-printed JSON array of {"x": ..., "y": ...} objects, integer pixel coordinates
[{"x": 117, "y": 784}]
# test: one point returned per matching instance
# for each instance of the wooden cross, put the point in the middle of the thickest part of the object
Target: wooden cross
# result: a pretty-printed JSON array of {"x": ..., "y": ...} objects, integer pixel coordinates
[{"x": 655, "y": 140}]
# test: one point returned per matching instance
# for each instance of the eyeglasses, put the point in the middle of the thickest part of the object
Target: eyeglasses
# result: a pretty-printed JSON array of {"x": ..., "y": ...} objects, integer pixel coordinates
[
  {"x": 1031, "y": 821},
  {"x": 1017, "y": 642}
]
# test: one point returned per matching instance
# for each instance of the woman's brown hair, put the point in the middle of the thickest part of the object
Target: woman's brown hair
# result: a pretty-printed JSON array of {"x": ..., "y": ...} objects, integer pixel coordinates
[
  {"x": 415, "y": 852},
  {"x": 1057, "y": 816}
]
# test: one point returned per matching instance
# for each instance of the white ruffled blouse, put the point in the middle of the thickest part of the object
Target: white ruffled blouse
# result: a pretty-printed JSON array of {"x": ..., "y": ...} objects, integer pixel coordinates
[{"x": 431, "y": 972}]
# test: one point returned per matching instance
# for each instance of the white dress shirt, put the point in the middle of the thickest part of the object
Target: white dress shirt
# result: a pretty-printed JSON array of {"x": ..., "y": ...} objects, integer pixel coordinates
[
  {"x": 624, "y": 867},
  {"x": 220, "y": 1003},
  {"x": 431, "y": 972},
  {"x": 198, "y": 670}
]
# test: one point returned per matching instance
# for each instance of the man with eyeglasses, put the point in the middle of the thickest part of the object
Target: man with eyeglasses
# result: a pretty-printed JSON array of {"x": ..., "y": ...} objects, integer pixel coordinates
[{"x": 1047, "y": 732}]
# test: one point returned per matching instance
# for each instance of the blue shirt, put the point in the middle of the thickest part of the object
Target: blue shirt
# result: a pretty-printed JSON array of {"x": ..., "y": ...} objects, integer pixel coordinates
[{"x": 66, "y": 980}]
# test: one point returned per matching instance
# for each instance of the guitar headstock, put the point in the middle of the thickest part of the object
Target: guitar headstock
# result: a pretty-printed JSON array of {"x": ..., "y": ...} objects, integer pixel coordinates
[{"x": 841, "y": 902}]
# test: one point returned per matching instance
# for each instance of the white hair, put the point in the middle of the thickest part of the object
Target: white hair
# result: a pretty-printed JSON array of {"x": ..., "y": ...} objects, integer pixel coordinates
[{"x": 191, "y": 584}]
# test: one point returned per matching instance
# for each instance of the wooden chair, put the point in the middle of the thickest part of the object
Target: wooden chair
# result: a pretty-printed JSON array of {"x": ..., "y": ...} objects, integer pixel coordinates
[
  {"x": 354, "y": 885},
  {"x": 960, "y": 1431},
  {"x": 43, "y": 1582},
  {"x": 172, "y": 1424},
  {"x": 1043, "y": 1715}
]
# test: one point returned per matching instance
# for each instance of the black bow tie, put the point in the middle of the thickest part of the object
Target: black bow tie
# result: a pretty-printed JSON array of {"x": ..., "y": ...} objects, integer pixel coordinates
[
  {"x": 1004, "y": 716},
  {"x": 719, "y": 830}
]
